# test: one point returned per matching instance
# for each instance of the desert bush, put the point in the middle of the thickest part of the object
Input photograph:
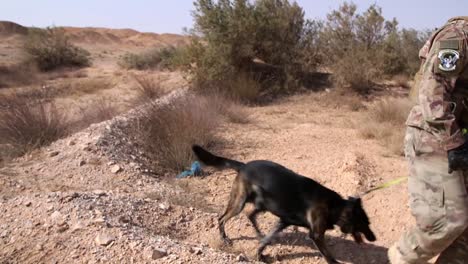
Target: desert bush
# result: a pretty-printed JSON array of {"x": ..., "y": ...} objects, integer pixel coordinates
[
  {"x": 50, "y": 49},
  {"x": 95, "y": 111},
  {"x": 363, "y": 48},
  {"x": 242, "y": 37},
  {"x": 157, "y": 58},
  {"x": 17, "y": 75},
  {"x": 167, "y": 131},
  {"x": 231, "y": 108},
  {"x": 26, "y": 123},
  {"x": 385, "y": 120},
  {"x": 148, "y": 88}
]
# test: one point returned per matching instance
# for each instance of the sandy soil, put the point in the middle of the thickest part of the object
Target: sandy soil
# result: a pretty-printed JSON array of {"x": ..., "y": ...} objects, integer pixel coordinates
[{"x": 90, "y": 199}]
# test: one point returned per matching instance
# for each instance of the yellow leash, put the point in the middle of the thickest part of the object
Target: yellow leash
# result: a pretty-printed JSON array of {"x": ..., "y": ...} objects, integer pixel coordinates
[{"x": 385, "y": 185}]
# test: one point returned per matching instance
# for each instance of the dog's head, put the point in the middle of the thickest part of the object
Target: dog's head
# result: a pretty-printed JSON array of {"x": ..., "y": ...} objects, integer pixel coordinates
[{"x": 354, "y": 221}]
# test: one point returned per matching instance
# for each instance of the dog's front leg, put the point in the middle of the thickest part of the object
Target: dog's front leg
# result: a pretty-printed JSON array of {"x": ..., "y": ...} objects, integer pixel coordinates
[
  {"x": 319, "y": 242},
  {"x": 317, "y": 227}
]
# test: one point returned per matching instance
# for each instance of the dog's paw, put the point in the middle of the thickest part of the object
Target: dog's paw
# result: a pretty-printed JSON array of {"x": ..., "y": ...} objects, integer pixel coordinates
[
  {"x": 260, "y": 257},
  {"x": 227, "y": 241}
]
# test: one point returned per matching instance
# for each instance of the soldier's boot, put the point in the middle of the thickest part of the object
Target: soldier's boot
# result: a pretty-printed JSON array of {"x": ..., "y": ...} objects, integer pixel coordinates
[{"x": 394, "y": 256}]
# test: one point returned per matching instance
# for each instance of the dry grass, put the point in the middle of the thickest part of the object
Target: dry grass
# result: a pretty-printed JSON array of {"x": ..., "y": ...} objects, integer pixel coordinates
[
  {"x": 28, "y": 123},
  {"x": 340, "y": 99},
  {"x": 385, "y": 120},
  {"x": 230, "y": 108},
  {"x": 18, "y": 75},
  {"x": 96, "y": 111},
  {"x": 401, "y": 80},
  {"x": 148, "y": 88},
  {"x": 167, "y": 132}
]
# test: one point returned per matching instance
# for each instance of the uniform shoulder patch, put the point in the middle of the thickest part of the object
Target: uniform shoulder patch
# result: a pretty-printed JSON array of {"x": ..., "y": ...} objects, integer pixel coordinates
[{"x": 448, "y": 59}]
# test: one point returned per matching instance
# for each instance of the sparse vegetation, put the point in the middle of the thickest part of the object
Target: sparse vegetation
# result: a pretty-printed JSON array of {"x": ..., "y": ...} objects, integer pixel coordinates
[
  {"x": 50, "y": 49},
  {"x": 167, "y": 58},
  {"x": 17, "y": 75},
  {"x": 362, "y": 49},
  {"x": 167, "y": 132},
  {"x": 148, "y": 88},
  {"x": 242, "y": 38},
  {"x": 385, "y": 121},
  {"x": 95, "y": 111},
  {"x": 28, "y": 123}
]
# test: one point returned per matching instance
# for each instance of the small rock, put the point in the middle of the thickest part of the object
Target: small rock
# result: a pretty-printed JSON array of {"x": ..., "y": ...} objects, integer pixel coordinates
[
  {"x": 28, "y": 203},
  {"x": 196, "y": 250},
  {"x": 53, "y": 153},
  {"x": 81, "y": 163},
  {"x": 78, "y": 226},
  {"x": 164, "y": 206},
  {"x": 241, "y": 258},
  {"x": 71, "y": 143},
  {"x": 62, "y": 228},
  {"x": 104, "y": 239},
  {"x": 39, "y": 247},
  {"x": 99, "y": 192},
  {"x": 110, "y": 163},
  {"x": 4, "y": 234},
  {"x": 56, "y": 215},
  {"x": 116, "y": 169},
  {"x": 154, "y": 254}
]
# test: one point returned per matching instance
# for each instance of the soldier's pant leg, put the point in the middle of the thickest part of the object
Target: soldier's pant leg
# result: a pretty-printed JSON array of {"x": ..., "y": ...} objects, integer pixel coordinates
[
  {"x": 438, "y": 200},
  {"x": 457, "y": 252}
]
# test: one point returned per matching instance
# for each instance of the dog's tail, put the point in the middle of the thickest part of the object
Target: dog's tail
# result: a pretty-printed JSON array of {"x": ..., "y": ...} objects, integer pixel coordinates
[{"x": 212, "y": 160}]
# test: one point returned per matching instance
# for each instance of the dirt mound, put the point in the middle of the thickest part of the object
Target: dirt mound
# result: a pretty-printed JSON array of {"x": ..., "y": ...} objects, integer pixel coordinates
[
  {"x": 105, "y": 36},
  {"x": 10, "y": 28}
]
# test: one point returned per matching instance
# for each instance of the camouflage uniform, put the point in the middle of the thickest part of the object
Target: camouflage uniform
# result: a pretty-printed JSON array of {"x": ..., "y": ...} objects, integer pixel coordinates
[{"x": 438, "y": 199}]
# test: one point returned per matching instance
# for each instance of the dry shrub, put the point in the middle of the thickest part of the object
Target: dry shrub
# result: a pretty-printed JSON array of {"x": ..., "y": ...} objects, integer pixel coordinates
[
  {"x": 96, "y": 111},
  {"x": 167, "y": 131},
  {"x": 51, "y": 49},
  {"x": 401, "y": 80},
  {"x": 80, "y": 87},
  {"x": 230, "y": 108},
  {"x": 339, "y": 99},
  {"x": 26, "y": 123},
  {"x": 156, "y": 58},
  {"x": 385, "y": 121},
  {"x": 356, "y": 70},
  {"x": 148, "y": 88},
  {"x": 240, "y": 87},
  {"x": 17, "y": 75}
]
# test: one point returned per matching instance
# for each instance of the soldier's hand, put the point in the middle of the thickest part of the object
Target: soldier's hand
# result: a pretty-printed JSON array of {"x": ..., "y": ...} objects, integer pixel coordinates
[{"x": 458, "y": 158}]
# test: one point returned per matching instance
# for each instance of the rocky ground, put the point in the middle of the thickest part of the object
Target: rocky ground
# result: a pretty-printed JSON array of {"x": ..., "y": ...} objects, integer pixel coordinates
[{"x": 90, "y": 199}]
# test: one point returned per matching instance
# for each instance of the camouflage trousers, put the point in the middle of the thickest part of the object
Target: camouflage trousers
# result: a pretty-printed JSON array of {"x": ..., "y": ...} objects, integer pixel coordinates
[{"x": 438, "y": 201}]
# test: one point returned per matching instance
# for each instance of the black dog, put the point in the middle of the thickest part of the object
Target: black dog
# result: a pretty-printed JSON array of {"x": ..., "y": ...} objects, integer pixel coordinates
[{"x": 295, "y": 199}]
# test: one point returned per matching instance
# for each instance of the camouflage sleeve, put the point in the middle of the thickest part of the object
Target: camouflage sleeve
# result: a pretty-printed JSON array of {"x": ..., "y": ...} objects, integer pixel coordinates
[{"x": 436, "y": 87}]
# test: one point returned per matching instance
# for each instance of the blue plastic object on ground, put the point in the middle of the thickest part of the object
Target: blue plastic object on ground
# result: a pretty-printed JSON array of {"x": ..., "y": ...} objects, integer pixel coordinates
[{"x": 195, "y": 170}]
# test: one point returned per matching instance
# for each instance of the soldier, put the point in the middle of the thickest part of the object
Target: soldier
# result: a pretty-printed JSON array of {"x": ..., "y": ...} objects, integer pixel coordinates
[{"x": 437, "y": 152}]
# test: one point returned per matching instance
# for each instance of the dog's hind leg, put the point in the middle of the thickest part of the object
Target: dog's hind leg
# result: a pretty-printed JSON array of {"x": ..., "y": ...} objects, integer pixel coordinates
[
  {"x": 253, "y": 219},
  {"x": 237, "y": 201},
  {"x": 267, "y": 239}
]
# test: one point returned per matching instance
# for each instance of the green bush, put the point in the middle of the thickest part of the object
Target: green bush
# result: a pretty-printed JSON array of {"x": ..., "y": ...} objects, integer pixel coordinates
[
  {"x": 265, "y": 40},
  {"x": 158, "y": 58},
  {"x": 362, "y": 49},
  {"x": 50, "y": 49}
]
